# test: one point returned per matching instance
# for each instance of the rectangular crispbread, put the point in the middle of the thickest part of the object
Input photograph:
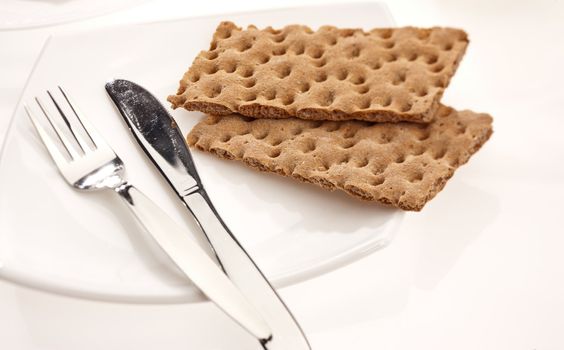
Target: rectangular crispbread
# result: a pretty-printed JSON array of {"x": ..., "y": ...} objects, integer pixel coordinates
[
  {"x": 400, "y": 164},
  {"x": 383, "y": 75}
]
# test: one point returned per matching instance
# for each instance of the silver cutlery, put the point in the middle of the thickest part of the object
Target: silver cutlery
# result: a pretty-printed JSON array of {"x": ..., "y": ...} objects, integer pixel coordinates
[
  {"x": 93, "y": 165},
  {"x": 159, "y": 136}
]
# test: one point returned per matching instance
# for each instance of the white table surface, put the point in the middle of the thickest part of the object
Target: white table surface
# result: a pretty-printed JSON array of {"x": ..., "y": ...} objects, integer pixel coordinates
[{"x": 481, "y": 267}]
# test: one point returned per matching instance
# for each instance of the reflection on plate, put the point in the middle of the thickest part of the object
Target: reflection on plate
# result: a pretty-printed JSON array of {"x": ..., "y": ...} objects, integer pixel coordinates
[{"x": 88, "y": 245}]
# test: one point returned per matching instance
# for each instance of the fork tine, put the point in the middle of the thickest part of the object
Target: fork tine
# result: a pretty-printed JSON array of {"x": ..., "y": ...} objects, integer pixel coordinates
[
  {"x": 83, "y": 145},
  {"x": 96, "y": 139},
  {"x": 72, "y": 153},
  {"x": 47, "y": 140}
]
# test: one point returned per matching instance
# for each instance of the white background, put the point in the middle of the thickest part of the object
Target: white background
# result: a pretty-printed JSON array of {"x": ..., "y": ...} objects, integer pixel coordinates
[{"x": 480, "y": 268}]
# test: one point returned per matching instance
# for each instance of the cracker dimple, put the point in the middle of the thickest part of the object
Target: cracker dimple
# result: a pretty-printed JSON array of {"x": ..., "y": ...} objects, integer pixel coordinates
[
  {"x": 400, "y": 164},
  {"x": 415, "y": 65}
]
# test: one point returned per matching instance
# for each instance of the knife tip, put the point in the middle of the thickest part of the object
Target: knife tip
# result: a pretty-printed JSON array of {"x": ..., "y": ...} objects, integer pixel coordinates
[
  {"x": 109, "y": 84},
  {"x": 113, "y": 82}
]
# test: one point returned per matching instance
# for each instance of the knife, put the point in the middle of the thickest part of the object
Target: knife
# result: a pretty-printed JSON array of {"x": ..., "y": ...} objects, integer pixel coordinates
[{"x": 159, "y": 136}]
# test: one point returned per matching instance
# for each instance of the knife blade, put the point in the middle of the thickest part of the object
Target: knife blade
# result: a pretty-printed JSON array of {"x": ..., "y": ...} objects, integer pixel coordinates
[{"x": 159, "y": 136}]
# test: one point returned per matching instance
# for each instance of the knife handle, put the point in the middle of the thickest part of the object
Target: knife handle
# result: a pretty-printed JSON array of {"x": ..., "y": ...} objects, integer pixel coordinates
[
  {"x": 241, "y": 269},
  {"x": 193, "y": 261}
]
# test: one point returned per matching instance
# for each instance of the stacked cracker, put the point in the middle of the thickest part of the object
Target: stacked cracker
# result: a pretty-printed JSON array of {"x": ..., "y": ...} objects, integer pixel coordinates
[{"x": 341, "y": 108}]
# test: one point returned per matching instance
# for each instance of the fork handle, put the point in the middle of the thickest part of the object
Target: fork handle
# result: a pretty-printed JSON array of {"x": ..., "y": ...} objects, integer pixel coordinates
[{"x": 193, "y": 261}]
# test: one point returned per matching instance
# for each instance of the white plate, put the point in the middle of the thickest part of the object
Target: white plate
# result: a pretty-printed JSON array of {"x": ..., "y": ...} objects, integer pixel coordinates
[
  {"x": 25, "y": 14},
  {"x": 87, "y": 245}
]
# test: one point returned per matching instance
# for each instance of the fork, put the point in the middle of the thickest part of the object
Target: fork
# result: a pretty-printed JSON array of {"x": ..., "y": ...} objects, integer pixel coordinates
[{"x": 96, "y": 166}]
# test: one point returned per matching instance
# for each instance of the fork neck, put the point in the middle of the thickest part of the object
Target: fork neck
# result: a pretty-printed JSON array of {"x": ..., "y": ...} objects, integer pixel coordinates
[{"x": 123, "y": 189}]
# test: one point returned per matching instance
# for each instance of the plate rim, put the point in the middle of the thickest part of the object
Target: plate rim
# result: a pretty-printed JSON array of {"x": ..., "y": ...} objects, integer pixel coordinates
[{"x": 66, "y": 18}]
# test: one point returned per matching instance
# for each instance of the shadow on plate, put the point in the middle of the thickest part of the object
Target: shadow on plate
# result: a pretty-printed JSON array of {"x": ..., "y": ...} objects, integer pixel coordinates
[{"x": 320, "y": 210}]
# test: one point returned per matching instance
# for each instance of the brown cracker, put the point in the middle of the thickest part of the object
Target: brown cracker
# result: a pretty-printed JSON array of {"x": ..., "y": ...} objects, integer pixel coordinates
[
  {"x": 401, "y": 164},
  {"x": 390, "y": 74}
]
